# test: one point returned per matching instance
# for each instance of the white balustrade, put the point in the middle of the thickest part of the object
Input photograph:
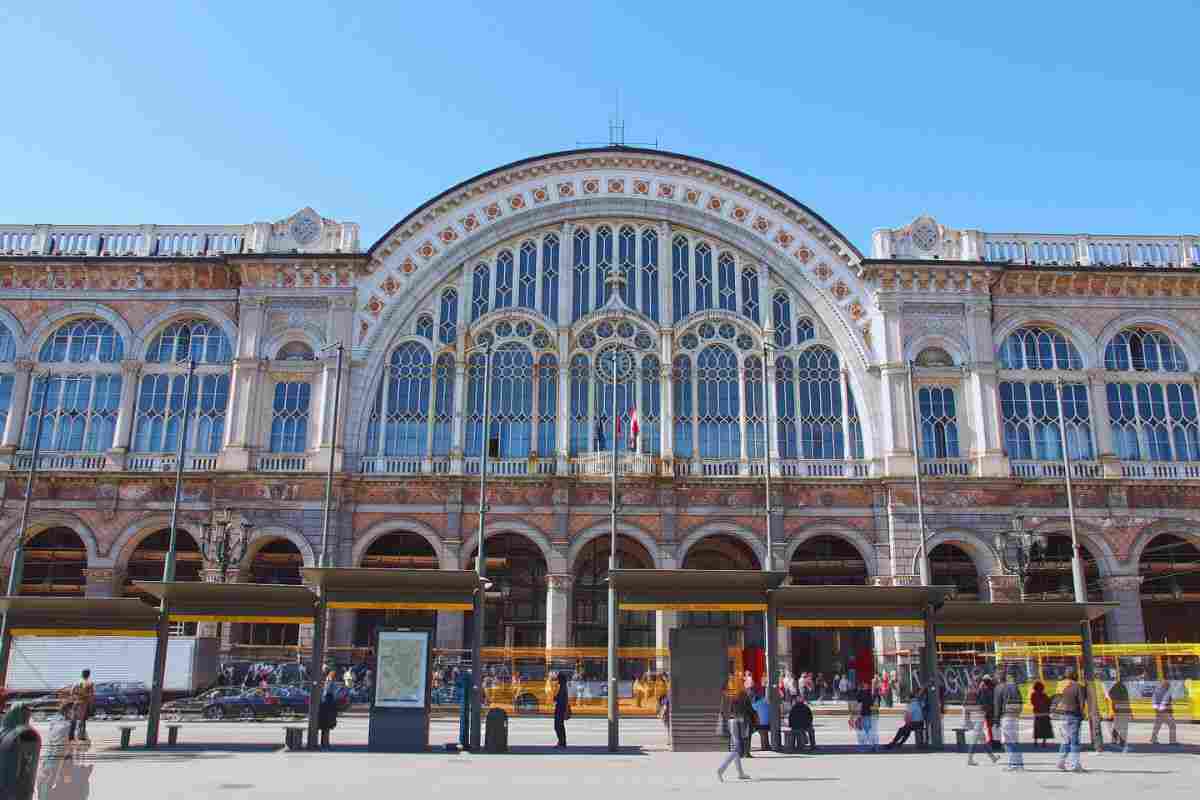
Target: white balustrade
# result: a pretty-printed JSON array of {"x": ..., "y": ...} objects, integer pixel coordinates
[
  {"x": 1158, "y": 470},
  {"x": 166, "y": 463},
  {"x": 945, "y": 468},
  {"x": 1054, "y": 469},
  {"x": 63, "y": 462},
  {"x": 117, "y": 241},
  {"x": 500, "y": 466},
  {"x": 390, "y": 465},
  {"x": 281, "y": 463},
  {"x": 1087, "y": 250},
  {"x": 818, "y": 468},
  {"x": 599, "y": 465}
]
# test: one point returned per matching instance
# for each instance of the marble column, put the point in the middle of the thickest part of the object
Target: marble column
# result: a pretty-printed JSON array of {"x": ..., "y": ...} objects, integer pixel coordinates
[
  {"x": 1125, "y": 623},
  {"x": 102, "y": 582},
  {"x": 558, "y": 610},
  {"x": 130, "y": 374},
  {"x": 17, "y": 407}
]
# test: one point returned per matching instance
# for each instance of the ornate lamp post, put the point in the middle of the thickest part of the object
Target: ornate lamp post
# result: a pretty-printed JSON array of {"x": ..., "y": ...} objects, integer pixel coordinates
[
  {"x": 483, "y": 343},
  {"x": 1019, "y": 553},
  {"x": 225, "y": 540}
]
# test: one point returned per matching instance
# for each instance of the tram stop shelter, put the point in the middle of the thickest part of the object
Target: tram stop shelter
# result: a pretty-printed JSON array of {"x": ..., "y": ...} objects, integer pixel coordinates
[
  {"x": 191, "y": 601},
  {"x": 72, "y": 616},
  {"x": 357, "y": 588}
]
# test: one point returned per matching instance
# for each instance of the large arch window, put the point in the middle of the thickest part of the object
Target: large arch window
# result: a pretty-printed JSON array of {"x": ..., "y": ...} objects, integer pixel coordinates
[
  {"x": 580, "y": 396},
  {"x": 547, "y": 405},
  {"x": 650, "y": 411},
  {"x": 55, "y": 561},
  {"x": 681, "y": 377},
  {"x": 527, "y": 282},
  {"x": 80, "y": 413},
  {"x": 1029, "y": 409},
  {"x": 815, "y": 408},
  {"x": 550, "y": 277},
  {"x": 718, "y": 403},
  {"x": 650, "y": 273},
  {"x": 704, "y": 277},
  {"x": 589, "y": 624},
  {"x": 504, "y": 280},
  {"x": 480, "y": 280},
  {"x": 517, "y": 570},
  {"x": 511, "y": 421},
  {"x": 448, "y": 328},
  {"x": 755, "y": 418},
  {"x": 289, "y": 417},
  {"x": 726, "y": 283},
  {"x": 604, "y": 263},
  {"x": 84, "y": 341},
  {"x": 8, "y": 352},
  {"x": 581, "y": 282},
  {"x": 750, "y": 294},
  {"x": 627, "y": 260},
  {"x": 681, "y": 286},
  {"x": 199, "y": 340},
  {"x": 939, "y": 422},
  {"x": 781, "y": 307},
  {"x": 1151, "y": 420},
  {"x": 400, "y": 415},
  {"x": 443, "y": 405},
  {"x": 160, "y": 398}
]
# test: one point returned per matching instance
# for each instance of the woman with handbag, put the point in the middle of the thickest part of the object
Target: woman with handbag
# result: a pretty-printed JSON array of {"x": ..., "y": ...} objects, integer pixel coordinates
[
  {"x": 732, "y": 721},
  {"x": 562, "y": 711},
  {"x": 327, "y": 710}
]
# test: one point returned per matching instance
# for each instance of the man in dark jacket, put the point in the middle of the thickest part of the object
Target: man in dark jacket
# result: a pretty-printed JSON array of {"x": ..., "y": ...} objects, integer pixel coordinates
[{"x": 800, "y": 720}]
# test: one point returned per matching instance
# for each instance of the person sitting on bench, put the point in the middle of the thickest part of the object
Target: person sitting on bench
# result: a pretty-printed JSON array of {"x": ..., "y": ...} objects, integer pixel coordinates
[
  {"x": 800, "y": 720},
  {"x": 914, "y": 720}
]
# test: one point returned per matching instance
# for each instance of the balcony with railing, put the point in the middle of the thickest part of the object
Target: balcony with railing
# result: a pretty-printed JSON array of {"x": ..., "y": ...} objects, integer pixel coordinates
[
  {"x": 1161, "y": 252},
  {"x": 1080, "y": 470},
  {"x": 945, "y": 468},
  {"x": 63, "y": 462},
  {"x": 599, "y": 465},
  {"x": 277, "y": 462},
  {"x": 166, "y": 463},
  {"x": 124, "y": 241}
]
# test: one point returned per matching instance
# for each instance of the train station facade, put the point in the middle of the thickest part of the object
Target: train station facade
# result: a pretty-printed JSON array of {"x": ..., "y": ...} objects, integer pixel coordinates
[{"x": 749, "y": 332}]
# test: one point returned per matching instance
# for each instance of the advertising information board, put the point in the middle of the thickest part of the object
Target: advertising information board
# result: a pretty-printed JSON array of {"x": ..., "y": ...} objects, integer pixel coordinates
[{"x": 402, "y": 667}]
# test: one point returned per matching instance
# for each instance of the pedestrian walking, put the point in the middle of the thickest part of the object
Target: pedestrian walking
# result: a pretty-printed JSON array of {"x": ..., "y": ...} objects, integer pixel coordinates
[
  {"x": 562, "y": 711},
  {"x": 348, "y": 677},
  {"x": 1164, "y": 712},
  {"x": 1072, "y": 705},
  {"x": 83, "y": 698},
  {"x": 843, "y": 688},
  {"x": 885, "y": 686},
  {"x": 1122, "y": 713},
  {"x": 762, "y": 714},
  {"x": 732, "y": 718},
  {"x": 327, "y": 710},
  {"x": 1040, "y": 701},
  {"x": 914, "y": 720},
  {"x": 987, "y": 701},
  {"x": 1008, "y": 711},
  {"x": 868, "y": 736},
  {"x": 800, "y": 720},
  {"x": 973, "y": 721}
]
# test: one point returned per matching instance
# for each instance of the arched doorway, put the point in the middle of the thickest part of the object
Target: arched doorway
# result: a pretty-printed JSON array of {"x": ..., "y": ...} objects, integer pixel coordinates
[
  {"x": 515, "y": 613},
  {"x": 951, "y": 565},
  {"x": 589, "y": 619},
  {"x": 54, "y": 563},
  {"x": 1051, "y": 578},
  {"x": 277, "y": 562},
  {"x": 746, "y": 630},
  {"x": 1170, "y": 571},
  {"x": 399, "y": 550},
  {"x": 830, "y": 652},
  {"x": 147, "y": 561}
]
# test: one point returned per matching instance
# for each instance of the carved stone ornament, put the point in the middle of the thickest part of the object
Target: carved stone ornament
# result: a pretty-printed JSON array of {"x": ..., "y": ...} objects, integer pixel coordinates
[{"x": 305, "y": 227}]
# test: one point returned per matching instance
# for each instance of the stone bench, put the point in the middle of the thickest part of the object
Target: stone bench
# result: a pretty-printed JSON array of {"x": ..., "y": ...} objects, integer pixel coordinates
[
  {"x": 173, "y": 734},
  {"x": 293, "y": 737},
  {"x": 126, "y": 733}
]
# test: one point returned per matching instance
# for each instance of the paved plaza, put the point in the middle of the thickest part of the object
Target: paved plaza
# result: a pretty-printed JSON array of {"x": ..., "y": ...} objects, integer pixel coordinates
[{"x": 246, "y": 760}]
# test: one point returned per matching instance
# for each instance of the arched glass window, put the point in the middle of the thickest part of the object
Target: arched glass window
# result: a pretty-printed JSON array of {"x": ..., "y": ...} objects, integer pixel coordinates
[
  {"x": 718, "y": 403},
  {"x": 582, "y": 274},
  {"x": 1036, "y": 348},
  {"x": 424, "y": 326},
  {"x": 511, "y": 424},
  {"x": 681, "y": 392},
  {"x": 704, "y": 277},
  {"x": 8, "y": 345},
  {"x": 527, "y": 284},
  {"x": 650, "y": 410},
  {"x": 289, "y": 420},
  {"x": 820, "y": 411},
  {"x": 939, "y": 422},
  {"x": 160, "y": 404},
  {"x": 443, "y": 405},
  {"x": 550, "y": 277},
  {"x": 750, "y": 294},
  {"x": 1154, "y": 421},
  {"x": 627, "y": 259},
  {"x": 650, "y": 273},
  {"x": 855, "y": 424},
  {"x": 1142, "y": 350},
  {"x": 448, "y": 330},
  {"x": 80, "y": 413},
  {"x": 580, "y": 397},
  {"x": 785, "y": 408},
  {"x": 782, "y": 311},
  {"x": 547, "y": 405},
  {"x": 83, "y": 341},
  {"x": 681, "y": 287},
  {"x": 473, "y": 433},
  {"x": 727, "y": 283},
  {"x": 755, "y": 418},
  {"x": 480, "y": 281},
  {"x": 400, "y": 416},
  {"x": 504, "y": 280},
  {"x": 7, "y": 354},
  {"x": 604, "y": 261},
  {"x": 626, "y": 397},
  {"x": 199, "y": 340},
  {"x": 805, "y": 330},
  {"x": 296, "y": 351}
]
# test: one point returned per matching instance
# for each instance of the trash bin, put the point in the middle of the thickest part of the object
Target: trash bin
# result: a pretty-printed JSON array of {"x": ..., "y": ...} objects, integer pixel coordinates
[
  {"x": 464, "y": 717},
  {"x": 495, "y": 736},
  {"x": 20, "y": 748}
]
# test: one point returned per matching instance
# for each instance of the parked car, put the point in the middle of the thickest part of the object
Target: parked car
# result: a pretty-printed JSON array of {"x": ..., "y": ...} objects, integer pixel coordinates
[
  {"x": 197, "y": 703},
  {"x": 291, "y": 699},
  {"x": 113, "y": 699},
  {"x": 250, "y": 704}
]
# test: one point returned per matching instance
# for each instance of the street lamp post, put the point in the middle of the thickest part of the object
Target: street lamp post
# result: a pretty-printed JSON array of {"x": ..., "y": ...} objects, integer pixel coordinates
[
  {"x": 769, "y": 626},
  {"x": 225, "y": 541},
  {"x": 164, "y": 613},
  {"x": 480, "y": 560},
  {"x": 923, "y": 566},
  {"x": 1019, "y": 553},
  {"x": 15, "y": 574}
]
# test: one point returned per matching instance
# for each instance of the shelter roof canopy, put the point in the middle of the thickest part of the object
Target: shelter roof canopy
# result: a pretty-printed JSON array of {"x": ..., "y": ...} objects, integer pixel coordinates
[
  {"x": 233, "y": 602},
  {"x": 424, "y": 589}
]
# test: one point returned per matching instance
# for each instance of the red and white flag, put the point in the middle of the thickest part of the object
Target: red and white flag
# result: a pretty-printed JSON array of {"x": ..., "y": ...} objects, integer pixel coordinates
[{"x": 634, "y": 430}]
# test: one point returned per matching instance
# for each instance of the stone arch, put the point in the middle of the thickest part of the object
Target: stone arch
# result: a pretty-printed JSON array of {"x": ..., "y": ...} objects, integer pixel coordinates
[
  {"x": 45, "y": 521},
  {"x": 581, "y": 539},
  {"x": 970, "y": 542},
  {"x": 181, "y": 313},
  {"x": 122, "y": 549},
  {"x": 1184, "y": 530},
  {"x": 270, "y": 533},
  {"x": 860, "y": 543},
  {"x": 311, "y": 335},
  {"x": 704, "y": 530},
  {"x": 55, "y": 319},
  {"x": 1172, "y": 325},
  {"x": 1075, "y": 333},
  {"x": 555, "y": 562},
  {"x": 1092, "y": 540},
  {"x": 955, "y": 346},
  {"x": 17, "y": 330},
  {"x": 364, "y": 539}
]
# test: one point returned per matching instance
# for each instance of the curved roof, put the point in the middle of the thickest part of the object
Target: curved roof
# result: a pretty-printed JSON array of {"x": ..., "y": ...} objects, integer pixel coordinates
[{"x": 610, "y": 151}]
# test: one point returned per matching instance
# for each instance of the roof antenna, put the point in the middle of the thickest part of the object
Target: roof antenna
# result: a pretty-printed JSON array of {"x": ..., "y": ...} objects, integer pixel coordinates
[{"x": 616, "y": 131}]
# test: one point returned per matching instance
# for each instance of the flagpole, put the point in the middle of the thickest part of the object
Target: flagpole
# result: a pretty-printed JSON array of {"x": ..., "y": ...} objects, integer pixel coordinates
[{"x": 613, "y": 682}]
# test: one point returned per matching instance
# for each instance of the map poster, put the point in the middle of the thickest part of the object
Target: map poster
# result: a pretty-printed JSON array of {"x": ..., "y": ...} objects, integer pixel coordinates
[{"x": 401, "y": 669}]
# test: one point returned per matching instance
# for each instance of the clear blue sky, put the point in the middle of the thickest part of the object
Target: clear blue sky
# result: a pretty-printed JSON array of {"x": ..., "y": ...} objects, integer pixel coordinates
[{"x": 1017, "y": 116}]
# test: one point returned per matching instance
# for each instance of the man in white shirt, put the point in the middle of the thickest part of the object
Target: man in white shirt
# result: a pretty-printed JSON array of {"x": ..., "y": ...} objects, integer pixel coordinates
[{"x": 1163, "y": 712}]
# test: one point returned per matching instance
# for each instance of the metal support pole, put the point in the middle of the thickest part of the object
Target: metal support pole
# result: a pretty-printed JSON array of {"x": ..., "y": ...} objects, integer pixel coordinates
[
  {"x": 923, "y": 566},
  {"x": 164, "y": 612},
  {"x": 1089, "y": 680},
  {"x": 16, "y": 574},
  {"x": 929, "y": 667},
  {"x": 770, "y": 625},
  {"x": 337, "y": 396},
  {"x": 316, "y": 672},
  {"x": 614, "y": 704},
  {"x": 480, "y": 609}
]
